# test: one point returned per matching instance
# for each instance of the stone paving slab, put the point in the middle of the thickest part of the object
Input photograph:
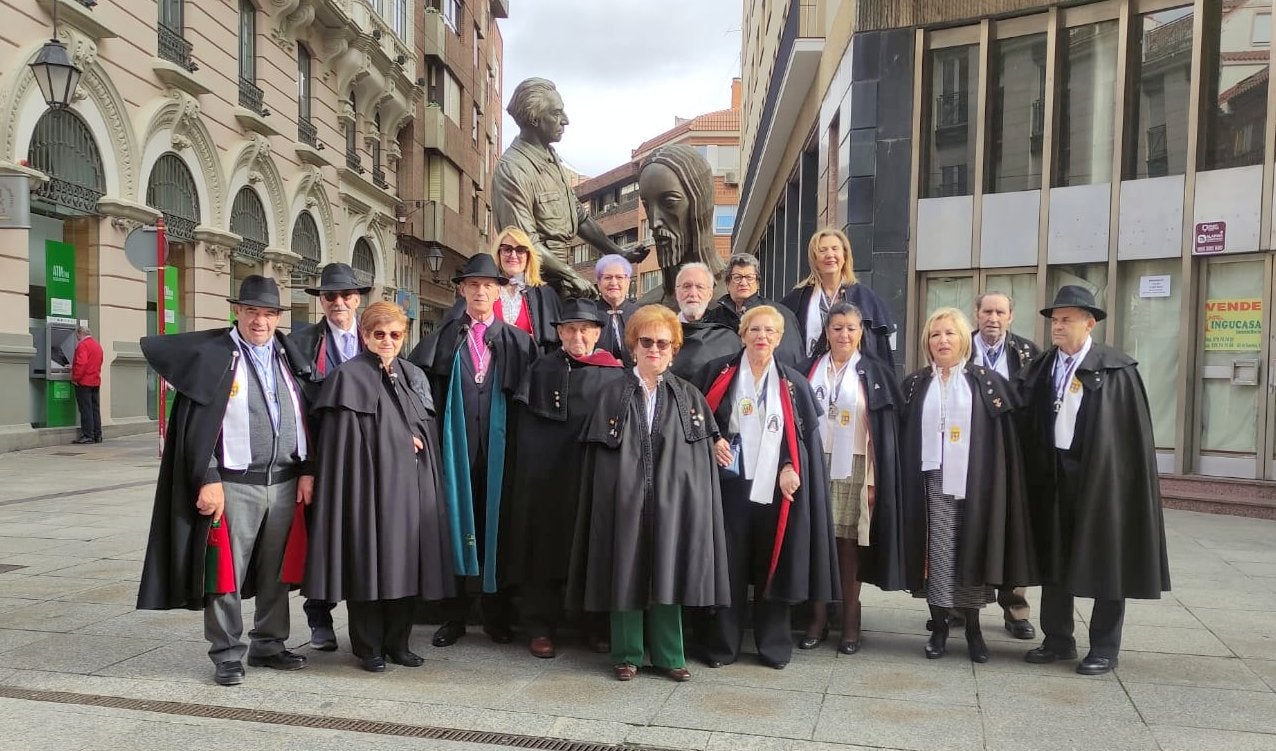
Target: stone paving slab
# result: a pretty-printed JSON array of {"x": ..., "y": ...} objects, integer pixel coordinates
[
  {"x": 899, "y": 724},
  {"x": 1221, "y": 709},
  {"x": 1173, "y": 738},
  {"x": 740, "y": 709}
]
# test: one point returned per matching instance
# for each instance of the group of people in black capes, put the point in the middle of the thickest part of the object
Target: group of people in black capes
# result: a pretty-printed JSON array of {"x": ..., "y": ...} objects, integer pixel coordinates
[{"x": 659, "y": 480}]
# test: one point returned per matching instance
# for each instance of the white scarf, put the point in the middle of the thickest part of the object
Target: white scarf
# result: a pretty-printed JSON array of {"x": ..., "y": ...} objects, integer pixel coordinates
[
  {"x": 845, "y": 431},
  {"x": 237, "y": 451},
  {"x": 815, "y": 319},
  {"x": 1003, "y": 362},
  {"x": 758, "y": 417},
  {"x": 1067, "y": 407},
  {"x": 946, "y": 414}
]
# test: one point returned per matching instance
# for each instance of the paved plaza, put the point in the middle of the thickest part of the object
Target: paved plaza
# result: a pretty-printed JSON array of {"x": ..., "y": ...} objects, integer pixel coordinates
[{"x": 81, "y": 669}]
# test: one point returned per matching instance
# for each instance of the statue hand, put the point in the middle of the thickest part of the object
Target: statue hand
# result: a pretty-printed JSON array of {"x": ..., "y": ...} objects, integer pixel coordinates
[{"x": 637, "y": 255}]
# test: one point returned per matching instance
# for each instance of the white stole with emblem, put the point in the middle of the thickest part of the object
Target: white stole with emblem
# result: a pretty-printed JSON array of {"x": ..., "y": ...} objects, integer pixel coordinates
[
  {"x": 1065, "y": 420},
  {"x": 946, "y": 417},
  {"x": 237, "y": 451},
  {"x": 845, "y": 431},
  {"x": 758, "y": 417}
]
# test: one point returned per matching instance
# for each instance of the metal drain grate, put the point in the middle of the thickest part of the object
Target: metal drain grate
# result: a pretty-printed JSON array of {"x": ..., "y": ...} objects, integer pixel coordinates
[{"x": 311, "y": 721}]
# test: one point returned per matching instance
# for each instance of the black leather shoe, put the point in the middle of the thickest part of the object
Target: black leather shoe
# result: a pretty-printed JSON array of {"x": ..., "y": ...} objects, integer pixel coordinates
[
  {"x": 937, "y": 647},
  {"x": 714, "y": 663},
  {"x": 1042, "y": 655},
  {"x": 229, "y": 673},
  {"x": 82, "y": 440},
  {"x": 1092, "y": 665},
  {"x": 811, "y": 642},
  {"x": 407, "y": 658},
  {"x": 774, "y": 665},
  {"x": 448, "y": 633},
  {"x": 849, "y": 646},
  {"x": 372, "y": 664},
  {"x": 323, "y": 639},
  {"x": 284, "y": 660},
  {"x": 499, "y": 633},
  {"x": 1021, "y": 628}
]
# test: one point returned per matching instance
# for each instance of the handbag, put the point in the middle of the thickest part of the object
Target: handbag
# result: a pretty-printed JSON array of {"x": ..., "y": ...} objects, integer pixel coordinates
[{"x": 734, "y": 469}]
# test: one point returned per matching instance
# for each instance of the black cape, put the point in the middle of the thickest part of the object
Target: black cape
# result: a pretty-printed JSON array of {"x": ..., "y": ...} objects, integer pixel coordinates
[
  {"x": 607, "y": 341},
  {"x": 883, "y": 557},
  {"x": 1118, "y": 531},
  {"x": 702, "y": 343},
  {"x": 995, "y": 543},
  {"x": 542, "y": 308},
  {"x": 558, "y": 396},
  {"x": 789, "y": 351},
  {"x": 878, "y": 321},
  {"x": 434, "y": 353},
  {"x": 199, "y": 366},
  {"x": 807, "y": 567},
  {"x": 650, "y": 528},
  {"x": 378, "y": 530}
]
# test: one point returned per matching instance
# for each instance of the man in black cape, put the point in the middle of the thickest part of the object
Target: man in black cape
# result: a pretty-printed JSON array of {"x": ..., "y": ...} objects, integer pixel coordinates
[
  {"x": 227, "y": 450},
  {"x": 999, "y": 349},
  {"x": 743, "y": 278},
  {"x": 475, "y": 363},
  {"x": 703, "y": 341},
  {"x": 1099, "y": 528},
  {"x": 325, "y": 345},
  {"x": 557, "y": 396}
]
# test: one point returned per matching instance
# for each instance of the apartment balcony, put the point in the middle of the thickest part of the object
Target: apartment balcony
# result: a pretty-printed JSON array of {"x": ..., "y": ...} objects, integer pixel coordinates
[
  {"x": 174, "y": 48},
  {"x": 251, "y": 97}
]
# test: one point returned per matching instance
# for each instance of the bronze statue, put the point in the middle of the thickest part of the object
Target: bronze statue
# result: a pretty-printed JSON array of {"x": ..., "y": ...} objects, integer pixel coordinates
[
  {"x": 676, "y": 186},
  {"x": 530, "y": 190}
]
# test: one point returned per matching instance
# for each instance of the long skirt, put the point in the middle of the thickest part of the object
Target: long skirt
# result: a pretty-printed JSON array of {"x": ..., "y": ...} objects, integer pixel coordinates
[{"x": 943, "y": 530}]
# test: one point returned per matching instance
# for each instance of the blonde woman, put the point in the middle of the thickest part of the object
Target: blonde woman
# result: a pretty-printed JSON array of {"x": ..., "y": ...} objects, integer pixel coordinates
[
  {"x": 832, "y": 280},
  {"x": 526, "y": 302}
]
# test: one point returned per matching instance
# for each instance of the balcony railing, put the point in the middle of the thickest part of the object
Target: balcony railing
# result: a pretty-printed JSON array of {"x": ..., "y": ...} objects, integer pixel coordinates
[
  {"x": 250, "y": 97},
  {"x": 353, "y": 161},
  {"x": 252, "y": 249},
  {"x": 378, "y": 178},
  {"x": 174, "y": 48},
  {"x": 1038, "y": 118},
  {"x": 1156, "y": 143},
  {"x": 629, "y": 204},
  {"x": 952, "y": 110},
  {"x": 307, "y": 133}
]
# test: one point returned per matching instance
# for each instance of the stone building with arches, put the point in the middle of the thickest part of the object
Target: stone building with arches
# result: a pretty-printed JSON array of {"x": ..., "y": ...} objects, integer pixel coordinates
[{"x": 265, "y": 133}]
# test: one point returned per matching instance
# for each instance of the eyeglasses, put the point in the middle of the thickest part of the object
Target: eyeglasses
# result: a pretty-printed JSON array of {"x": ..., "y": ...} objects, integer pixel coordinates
[
  {"x": 511, "y": 250},
  {"x": 647, "y": 342},
  {"x": 688, "y": 286},
  {"x": 334, "y": 296},
  {"x": 614, "y": 278},
  {"x": 742, "y": 278},
  {"x": 769, "y": 331},
  {"x": 381, "y": 334}
]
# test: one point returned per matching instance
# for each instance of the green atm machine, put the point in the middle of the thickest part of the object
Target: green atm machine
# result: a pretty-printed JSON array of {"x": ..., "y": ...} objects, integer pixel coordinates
[{"x": 59, "y": 338}]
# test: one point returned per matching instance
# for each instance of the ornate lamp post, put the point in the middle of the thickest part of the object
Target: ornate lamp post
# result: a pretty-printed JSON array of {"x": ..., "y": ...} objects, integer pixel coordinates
[{"x": 54, "y": 72}]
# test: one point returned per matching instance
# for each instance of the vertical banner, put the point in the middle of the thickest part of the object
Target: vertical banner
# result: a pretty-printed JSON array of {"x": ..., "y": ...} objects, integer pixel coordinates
[
  {"x": 171, "y": 311},
  {"x": 59, "y": 282}
]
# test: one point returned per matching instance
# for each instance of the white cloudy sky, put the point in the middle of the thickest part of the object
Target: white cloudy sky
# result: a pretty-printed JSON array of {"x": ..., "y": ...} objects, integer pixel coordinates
[{"x": 625, "y": 68}]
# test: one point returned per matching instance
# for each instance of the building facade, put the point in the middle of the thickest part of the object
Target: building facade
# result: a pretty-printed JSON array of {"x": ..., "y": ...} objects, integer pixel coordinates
[
  {"x": 265, "y": 134},
  {"x": 613, "y": 201},
  {"x": 1126, "y": 146}
]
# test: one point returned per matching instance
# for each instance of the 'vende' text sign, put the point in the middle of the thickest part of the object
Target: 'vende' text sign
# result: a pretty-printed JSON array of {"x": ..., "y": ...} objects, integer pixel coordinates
[{"x": 1234, "y": 325}]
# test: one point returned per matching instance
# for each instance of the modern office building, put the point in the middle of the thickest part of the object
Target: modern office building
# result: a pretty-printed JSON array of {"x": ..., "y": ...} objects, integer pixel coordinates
[{"x": 1020, "y": 146}]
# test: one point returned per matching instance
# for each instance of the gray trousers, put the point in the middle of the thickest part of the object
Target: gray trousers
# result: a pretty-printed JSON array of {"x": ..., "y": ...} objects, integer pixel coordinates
[{"x": 259, "y": 517}]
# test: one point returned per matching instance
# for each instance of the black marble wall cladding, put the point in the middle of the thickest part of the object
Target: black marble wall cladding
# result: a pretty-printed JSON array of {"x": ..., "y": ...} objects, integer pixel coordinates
[
  {"x": 863, "y": 247},
  {"x": 866, "y": 54},
  {"x": 891, "y": 191},
  {"x": 863, "y": 104},
  {"x": 863, "y": 152},
  {"x": 859, "y": 204}
]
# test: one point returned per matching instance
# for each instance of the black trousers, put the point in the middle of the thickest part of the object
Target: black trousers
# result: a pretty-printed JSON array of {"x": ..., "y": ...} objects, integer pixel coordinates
[
  {"x": 87, "y": 400},
  {"x": 750, "y": 533},
  {"x": 378, "y": 627},
  {"x": 318, "y": 613}
]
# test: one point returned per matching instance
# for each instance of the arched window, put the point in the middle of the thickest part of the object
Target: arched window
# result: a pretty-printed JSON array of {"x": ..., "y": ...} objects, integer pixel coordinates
[
  {"x": 305, "y": 243},
  {"x": 363, "y": 263},
  {"x": 248, "y": 220},
  {"x": 171, "y": 189},
  {"x": 63, "y": 148}
]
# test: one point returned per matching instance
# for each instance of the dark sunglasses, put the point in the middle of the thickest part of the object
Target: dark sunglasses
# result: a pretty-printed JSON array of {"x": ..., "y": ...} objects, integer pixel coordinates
[
  {"x": 334, "y": 296},
  {"x": 380, "y": 335},
  {"x": 647, "y": 342},
  {"x": 511, "y": 249}
]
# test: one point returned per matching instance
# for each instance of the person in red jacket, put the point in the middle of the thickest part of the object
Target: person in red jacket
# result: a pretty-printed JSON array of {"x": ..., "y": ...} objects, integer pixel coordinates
[{"x": 86, "y": 375}]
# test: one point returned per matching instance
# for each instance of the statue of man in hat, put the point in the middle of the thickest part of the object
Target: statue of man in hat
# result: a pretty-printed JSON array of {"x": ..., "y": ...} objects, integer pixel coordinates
[
  {"x": 1091, "y": 464},
  {"x": 236, "y": 458},
  {"x": 325, "y": 345},
  {"x": 531, "y": 190}
]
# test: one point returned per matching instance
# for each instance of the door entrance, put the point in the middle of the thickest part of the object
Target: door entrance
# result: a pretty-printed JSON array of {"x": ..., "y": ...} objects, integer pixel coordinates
[{"x": 1234, "y": 377}]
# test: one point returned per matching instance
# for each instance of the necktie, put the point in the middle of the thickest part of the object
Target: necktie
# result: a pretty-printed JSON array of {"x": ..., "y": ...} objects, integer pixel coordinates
[
  {"x": 991, "y": 356},
  {"x": 1062, "y": 372},
  {"x": 348, "y": 346},
  {"x": 617, "y": 325},
  {"x": 478, "y": 351}
]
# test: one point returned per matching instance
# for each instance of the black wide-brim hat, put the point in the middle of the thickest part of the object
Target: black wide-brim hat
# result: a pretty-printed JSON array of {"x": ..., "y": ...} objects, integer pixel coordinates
[
  {"x": 481, "y": 266},
  {"x": 579, "y": 311},
  {"x": 1075, "y": 296},
  {"x": 338, "y": 277},
  {"x": 259, "y": 292}
]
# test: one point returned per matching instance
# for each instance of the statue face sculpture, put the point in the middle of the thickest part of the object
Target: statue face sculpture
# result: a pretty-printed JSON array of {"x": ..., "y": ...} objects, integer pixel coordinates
[
  {"x": 552, "y": 121},
  {"x": 668, "y": 210}
]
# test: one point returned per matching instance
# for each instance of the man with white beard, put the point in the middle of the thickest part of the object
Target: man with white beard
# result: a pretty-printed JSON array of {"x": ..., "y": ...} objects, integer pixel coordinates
[{"x": 703, "y": 341}]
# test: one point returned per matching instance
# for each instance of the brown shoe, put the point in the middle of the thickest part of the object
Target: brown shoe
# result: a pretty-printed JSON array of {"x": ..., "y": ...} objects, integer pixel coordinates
[
  {"x": 542, "y": 646},
  {"x": 678, "y": 675},
  {"x": 625, "y": 671}
]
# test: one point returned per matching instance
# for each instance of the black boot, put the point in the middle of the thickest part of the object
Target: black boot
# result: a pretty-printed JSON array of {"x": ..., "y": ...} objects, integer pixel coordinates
[
  {"x": 938, "y": 645},
  {"x": 975, "y": 645}
]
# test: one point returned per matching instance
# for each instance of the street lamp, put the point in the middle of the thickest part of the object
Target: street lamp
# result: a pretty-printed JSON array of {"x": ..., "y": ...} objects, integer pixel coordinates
[
  {"x": 54, "y": 71},
  {"x": 434, "y": 259}
]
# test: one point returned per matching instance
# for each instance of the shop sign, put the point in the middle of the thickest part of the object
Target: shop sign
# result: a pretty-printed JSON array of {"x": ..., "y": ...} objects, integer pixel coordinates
[
  {"x": 59, "y": 278},
  {"x": 170, "y": 301},
  {"x": 1211, "y": 238},
  {"x": 1234, "y": 325}
]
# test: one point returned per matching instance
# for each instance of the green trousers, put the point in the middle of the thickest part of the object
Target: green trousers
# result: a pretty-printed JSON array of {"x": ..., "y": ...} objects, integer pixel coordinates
[{"x": 663, "y": 631}]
